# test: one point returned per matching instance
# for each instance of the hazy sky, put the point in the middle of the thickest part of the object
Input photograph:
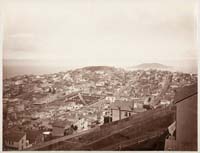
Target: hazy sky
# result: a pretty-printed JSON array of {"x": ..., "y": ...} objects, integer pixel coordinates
[{"x": 100, "y": 32}]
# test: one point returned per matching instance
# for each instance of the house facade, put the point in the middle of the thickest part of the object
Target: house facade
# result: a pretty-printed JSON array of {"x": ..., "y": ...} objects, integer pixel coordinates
[
  {"x": 59, "y": 128},
  {"x": 121, "y": 109},
  {"x": 15, "y": 140}
]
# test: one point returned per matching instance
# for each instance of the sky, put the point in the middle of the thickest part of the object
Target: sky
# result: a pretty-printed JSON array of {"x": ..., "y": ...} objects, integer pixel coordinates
[{"x": 100, "y": 32}]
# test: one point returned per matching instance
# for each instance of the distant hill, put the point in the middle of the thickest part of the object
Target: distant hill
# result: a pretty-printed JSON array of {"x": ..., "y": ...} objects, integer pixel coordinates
[
  {"x": 99, "y": 68},
  {"x": 152, "y": 66}
]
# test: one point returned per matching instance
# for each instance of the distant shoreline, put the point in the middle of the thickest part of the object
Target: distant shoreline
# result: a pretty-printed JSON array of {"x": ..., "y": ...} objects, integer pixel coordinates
[{"x": 13, "y": 71}]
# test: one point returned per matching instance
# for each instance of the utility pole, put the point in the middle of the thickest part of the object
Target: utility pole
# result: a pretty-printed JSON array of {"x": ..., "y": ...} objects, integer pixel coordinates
[
  {"x": 119, "y": 113},
  {"x": 111, "y": 115}
]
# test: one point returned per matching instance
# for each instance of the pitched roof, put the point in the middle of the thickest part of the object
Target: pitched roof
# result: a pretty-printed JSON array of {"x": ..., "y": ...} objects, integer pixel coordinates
[
  {"x": 123, "y": 105},
  {"x": 185, "y": 92},
  {"x": 62, "y": 124},
  {"x": 14, "y": 136}
]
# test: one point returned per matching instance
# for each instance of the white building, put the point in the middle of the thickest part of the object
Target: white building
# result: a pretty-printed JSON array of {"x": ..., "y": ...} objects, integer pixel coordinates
[{"x": 111, "y": 99}]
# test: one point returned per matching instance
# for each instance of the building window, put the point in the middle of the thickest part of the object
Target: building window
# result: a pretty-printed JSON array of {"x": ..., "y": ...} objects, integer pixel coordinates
[{"x": 10, "y": 142}]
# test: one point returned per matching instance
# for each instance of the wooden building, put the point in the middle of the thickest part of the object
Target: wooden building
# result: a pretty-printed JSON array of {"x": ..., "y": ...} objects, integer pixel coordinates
[{"x": 185, "y": 138}]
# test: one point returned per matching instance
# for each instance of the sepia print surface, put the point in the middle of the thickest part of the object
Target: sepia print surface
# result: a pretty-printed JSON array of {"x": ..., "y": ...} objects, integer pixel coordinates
[{"x": 99, "y": 75}]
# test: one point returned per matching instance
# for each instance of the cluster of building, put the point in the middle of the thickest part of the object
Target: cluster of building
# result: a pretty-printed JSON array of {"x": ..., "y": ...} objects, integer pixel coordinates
[{"x": 64, "y": 103}]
